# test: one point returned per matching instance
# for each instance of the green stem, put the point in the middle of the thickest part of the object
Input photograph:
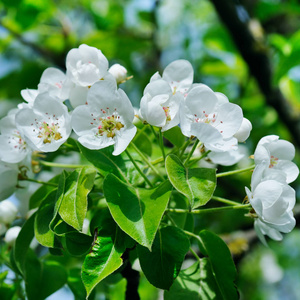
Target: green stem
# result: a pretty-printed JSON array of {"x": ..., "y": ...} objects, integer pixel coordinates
[
  {"x": 235, "y": 172},
  {"x": 57, "y": 165},
  {"x": 191, "y": 152},
  {"x": 161, "y": 144},
  {"x": 198, "y": 158},
  {"x": 138, "y": 168},
  {"x": 194, "y": 253},
  {"x": 184, "y": 147},
  {"x": 223, "y": 200},
  {"x": 39, "y": 181},
  {"x": 208, "y": 210},
  {"x": 145, "y": 159},
  {"x": 157, "y": 161}
]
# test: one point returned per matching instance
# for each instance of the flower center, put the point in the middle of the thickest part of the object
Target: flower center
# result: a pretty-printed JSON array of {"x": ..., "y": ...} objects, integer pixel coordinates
[
  {"x": 49, "y": 132},
  {"x": 206, "y": 118},
  {"x": 273, "y": 161},
  {"x": 167, "y": 113},
  {"x": 109, "y": 125},
  {"x": 17, "y": 142}
]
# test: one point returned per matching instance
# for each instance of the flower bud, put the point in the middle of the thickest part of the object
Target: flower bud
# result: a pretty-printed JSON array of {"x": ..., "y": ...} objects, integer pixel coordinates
[
  {"x": 243, "y": 133},
  {"x": 119, "y": 72},
  {"x": 8, "y": 212},
  {"x": 12, "y": 234}
]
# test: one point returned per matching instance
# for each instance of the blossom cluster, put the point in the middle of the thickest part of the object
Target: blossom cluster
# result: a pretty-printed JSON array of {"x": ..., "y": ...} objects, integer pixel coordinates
[
  {"x": 271, "y": 196},
  {"x": 87, "y": 102}
]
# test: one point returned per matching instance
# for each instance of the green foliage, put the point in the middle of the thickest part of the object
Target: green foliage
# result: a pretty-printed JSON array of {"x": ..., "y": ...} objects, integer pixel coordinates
[
  {"x": 197, "y": 184},
  {"x": 137, "y": 211},
  {"x": 162, "y": 264}
]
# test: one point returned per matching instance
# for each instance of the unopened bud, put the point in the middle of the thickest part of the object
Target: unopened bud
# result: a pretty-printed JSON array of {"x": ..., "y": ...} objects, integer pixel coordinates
[
  {"x": 243, "y": 133},
  {"x": 8, "y": 212},
  {"x": 12, "y": 234},
  {"x": 119, "y": 72}
]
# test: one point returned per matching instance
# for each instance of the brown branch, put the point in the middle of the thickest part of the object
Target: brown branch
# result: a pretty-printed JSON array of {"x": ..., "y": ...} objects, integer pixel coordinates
[{"x": 258, "y": 63}]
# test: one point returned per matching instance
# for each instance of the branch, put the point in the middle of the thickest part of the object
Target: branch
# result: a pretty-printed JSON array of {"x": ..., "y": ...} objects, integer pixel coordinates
[{"x": 258, "y": 63}]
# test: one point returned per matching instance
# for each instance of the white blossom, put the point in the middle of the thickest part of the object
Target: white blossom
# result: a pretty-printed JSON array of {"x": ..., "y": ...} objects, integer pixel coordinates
[
  {"x": 272, "y": 202},
  {"x": 161, "y": 110},
  {"x": 8, "y": 212},
  {"x": 211, "y": 118},
  {"x": 86, "y": 65},
  {"x": 106, "y": 119},
  {"x": 278, "y": 155},
  {"x": 11, "y": 235},
  {"x": 13, "y": 148},
  {"x": 119, "y": 72},
  {"x": 244, "y": 131},
  {"x": 46, "y": 125}
]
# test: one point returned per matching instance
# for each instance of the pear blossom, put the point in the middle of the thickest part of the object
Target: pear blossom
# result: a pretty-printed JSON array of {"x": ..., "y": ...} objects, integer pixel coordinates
[
  {"x": 278, "y": 155},
  {"x": 177, "y": 77},
  {"x": 244, "y": 131},
  {"x": 11, "y": 235},
  {"x": 106, "y": 119},
  {"x": 272, "y": 202},
  {"x": 45, "y": 126},
  {"x": 8, "y": 212},
  {"x": 29, "y": 96},
  {"x": 119, "y": 72},
  {"x": 13, "y": 148},
  {"x": 9, "y": 179},
  {"x": 211, "y": 118},
  {"x": 86, "y": 65},
  {"x": 55, "y": 82},
  {"x": 226, "y": 158},
  {"x": 161, "y": 110}
]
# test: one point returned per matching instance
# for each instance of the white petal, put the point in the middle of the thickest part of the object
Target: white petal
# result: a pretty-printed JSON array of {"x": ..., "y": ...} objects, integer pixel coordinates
[
  {"x": 179, "y": 73},
  {"x": 289, "y": 168},
  {"x": 78, "y": 95},
  {"x": 29, "y": 95},
  {"x": 244, "y": 131},
  {"x": 123, "y": 140},
  {"x": 229, "y": 119},
  {"x": 158, "y": 87}
]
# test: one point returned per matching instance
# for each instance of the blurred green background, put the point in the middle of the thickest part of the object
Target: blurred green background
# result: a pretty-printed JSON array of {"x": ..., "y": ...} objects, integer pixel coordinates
[{"x": 146, "y": 35}]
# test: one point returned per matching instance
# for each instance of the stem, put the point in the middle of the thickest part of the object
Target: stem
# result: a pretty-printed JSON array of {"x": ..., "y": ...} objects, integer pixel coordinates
[
  {"x": 138, "y": 168},
  {"x": 39, "y": 181},
  {"x": 223, "y": 200},
  {"x": 199, "y": 158},
  {"x": 161, "y": 144},
  {"x": 57, "y": 165},
  {"x": 194, "y": 253},
  {"x": 235, "y": 172},
  {"x": 208, "y": 210},
  {"x": 145, "y": 159},
  {"x": 184, "y": 147},
  {"x": 191, "y": 152}
]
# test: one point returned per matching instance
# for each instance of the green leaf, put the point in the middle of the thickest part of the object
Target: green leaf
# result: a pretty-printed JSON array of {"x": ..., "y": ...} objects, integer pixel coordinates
[
  {"x": 105, "y": 256},
  {"x": 142, "y": 141},
  {"x": 40, "y": 194},
  {"x": 75, "y": 284},
  {"x": 137, "y": 211},
  {"x": 162, "y": 265},
  {"x": 44, "y": 216},
  {"x": 194, "y": 283},
  {"x": 43, "y": 278},
  {"x": 175, "y": 136},
  {"x": 23, "y": 242},
  {"x": 104, "y": 161},
  {"x": 222, "y": 266},
  {"x": 197, "y": 184},
  {"x": 73, "y": 206},
  {"x": 77, "y": 243}
]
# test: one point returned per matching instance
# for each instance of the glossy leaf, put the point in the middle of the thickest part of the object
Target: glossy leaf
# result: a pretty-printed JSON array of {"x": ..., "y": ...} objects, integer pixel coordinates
[
  {"x": 40, "y": 194},
  {"x": 23, "y": 242},
  {"x": 73, "y": 206},
  {"x": 104, "y": 161},
  {"x": 162, "y": 265},
  {"x": 44, "y": 216},
  {"x": 195, "y": 283},
  {"x": 197, "y": 184},
  {"x": 105, "y": 255},
  {"x": 175, "y": 136},
  {"x": 137, "y": 211},
  {"x": 222, "y": 266}
]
